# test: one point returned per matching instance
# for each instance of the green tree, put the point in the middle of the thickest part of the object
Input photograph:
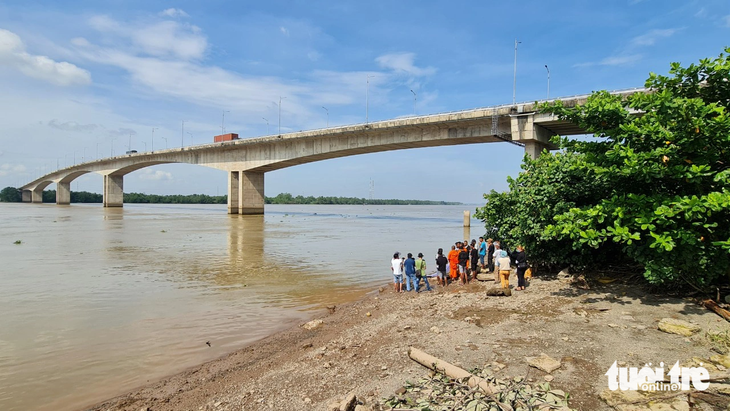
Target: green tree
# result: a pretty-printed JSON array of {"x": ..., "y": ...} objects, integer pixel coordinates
[
  {"x": 10, "y": 195},
  {"x": 650, "y": 188}
]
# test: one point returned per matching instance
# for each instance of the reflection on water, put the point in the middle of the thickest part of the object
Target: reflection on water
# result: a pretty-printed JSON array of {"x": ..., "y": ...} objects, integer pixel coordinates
[{"x": 97, "y": 301}]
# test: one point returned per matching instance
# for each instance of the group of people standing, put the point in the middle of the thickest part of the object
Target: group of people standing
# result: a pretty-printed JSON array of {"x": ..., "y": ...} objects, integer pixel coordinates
[{"x": 463, "y": 263}]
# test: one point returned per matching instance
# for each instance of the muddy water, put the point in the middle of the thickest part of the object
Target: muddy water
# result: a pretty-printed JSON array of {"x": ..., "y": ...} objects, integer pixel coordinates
[{"x": 95, "y": 301}]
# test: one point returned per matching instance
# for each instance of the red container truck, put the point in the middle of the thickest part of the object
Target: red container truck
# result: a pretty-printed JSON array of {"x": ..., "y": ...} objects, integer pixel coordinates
[{"x": 225, "y": 137}]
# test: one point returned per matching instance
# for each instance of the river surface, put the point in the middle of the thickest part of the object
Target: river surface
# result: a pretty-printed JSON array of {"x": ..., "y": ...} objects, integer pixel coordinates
[{"x": 95, "y": 302}]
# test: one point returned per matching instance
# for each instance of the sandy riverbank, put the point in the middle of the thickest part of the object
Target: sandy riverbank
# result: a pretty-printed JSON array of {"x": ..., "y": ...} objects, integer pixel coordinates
[{"x": 302, "y": 369}]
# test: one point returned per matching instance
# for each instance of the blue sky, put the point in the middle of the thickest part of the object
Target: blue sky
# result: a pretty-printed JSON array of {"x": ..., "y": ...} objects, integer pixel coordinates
[{"x": 77, "y": 77}]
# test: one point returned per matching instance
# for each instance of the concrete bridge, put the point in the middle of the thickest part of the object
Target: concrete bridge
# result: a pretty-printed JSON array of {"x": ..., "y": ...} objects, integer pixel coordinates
[{"x": 247, "y": 160}]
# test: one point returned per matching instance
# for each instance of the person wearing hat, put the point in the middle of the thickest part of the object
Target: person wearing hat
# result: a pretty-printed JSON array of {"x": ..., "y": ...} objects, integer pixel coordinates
[{"x": 421, "y": 273}]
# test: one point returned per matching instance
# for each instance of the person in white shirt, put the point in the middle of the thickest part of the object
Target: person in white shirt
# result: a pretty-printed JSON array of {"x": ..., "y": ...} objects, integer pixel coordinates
[
  {"x": 396, "y": 266},
  {"x": 495, "y": 256},
  {"x": 503, "y": 268}
]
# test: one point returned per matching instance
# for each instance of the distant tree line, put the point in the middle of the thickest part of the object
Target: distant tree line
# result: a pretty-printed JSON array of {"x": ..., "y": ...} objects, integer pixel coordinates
[
  {"x": 12, "y": 194},
  {"x": 286, "y": 198}
]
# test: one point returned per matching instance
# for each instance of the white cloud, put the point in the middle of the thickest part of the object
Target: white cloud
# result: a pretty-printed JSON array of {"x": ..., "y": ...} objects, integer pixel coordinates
[
  {"x": 619, "y": 60},
  {"x": 11, "y": 169},
  {"x": 726, "y": 19},
  {"x": 80, "y": 42},
  {"x": 403, "y": 62},
  {"x": 13, "y": 54},
  {"x": 73, "y": 126},
  {"x": 172, "y": 12},
  {"x": 148, "y": 174},
  {"x": 652, "y": 36},
  {"x": 284, "y": 31},
  {"x": 162, "y": 39},
  {"x": 90, "y": 128}
]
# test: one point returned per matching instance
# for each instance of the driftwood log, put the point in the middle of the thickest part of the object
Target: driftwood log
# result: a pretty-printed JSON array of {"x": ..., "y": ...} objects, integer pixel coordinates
[
  {"x": 712, "y": 305},
  {"x": 457, "y": 373}
]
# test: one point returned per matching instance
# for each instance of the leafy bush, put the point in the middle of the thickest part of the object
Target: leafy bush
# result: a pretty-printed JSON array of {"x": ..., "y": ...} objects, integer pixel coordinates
[{"x": 651, "y": 187}]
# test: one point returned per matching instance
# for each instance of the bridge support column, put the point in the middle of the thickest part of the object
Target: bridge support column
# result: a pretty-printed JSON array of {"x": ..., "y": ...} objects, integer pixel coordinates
[
  {"x": 234, "y": 190},
  {"x": 113, "y": 191},
  {"x": 37, "y": 196},
  {"x": 251, "y": 193},
  {"x": 245, "y": 192},
  {"x": 532, "y": 135},
  {"x": 27, "y": 196},
  {"x": 63, "y": 193},
  {"x": 534, "y": 148}
]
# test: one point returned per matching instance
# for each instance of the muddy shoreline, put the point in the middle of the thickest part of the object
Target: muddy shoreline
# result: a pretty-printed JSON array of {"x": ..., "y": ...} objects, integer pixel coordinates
[{"x": 361, "y": 347}]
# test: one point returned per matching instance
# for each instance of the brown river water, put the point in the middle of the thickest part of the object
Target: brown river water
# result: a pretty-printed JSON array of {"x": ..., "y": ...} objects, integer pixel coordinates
[{"x": 95, "y": 301}]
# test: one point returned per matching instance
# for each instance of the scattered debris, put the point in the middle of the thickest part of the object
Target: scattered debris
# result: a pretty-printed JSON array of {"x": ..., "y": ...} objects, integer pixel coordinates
[
  {"x": 312, "y": 324},
  {"x": 453, "y": 388},
  {"x": 543, "y": 362},
  {"x": 499, "y": 292},
  {"x": 18, "y": 242},
  {"x": 713, "y": 306},
  {"x": 673, "y": 326}
]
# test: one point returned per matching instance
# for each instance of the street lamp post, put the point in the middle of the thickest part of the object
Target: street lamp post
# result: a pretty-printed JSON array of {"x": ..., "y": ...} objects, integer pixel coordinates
[
  {"x": 145, "y": 145},
  {"x": 165, "y": 138},
  {"x": 223, "y": 121},
  {"x": 414, "y": 102},
  {"x": 280, "y": 98},
  {"x": 152, "y": 145},
  {"x": 129, "y": 148},
  {"x": 328, "y": 115},
  {"x": 367, "y": 98},
  {"x": 548, "y": 90},
  {"x": 514, "y": 80},
  {"x": 267, "y": 125},
  {"x": 191, "y": 138},
  {"x": 182, "y": 135}
]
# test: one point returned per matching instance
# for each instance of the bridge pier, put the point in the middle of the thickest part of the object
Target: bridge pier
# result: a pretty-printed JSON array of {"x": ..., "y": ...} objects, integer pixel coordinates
[
  {"x": 37, "y": 196},
  {"x": 27, "y": 196},
  {"x": 63, "y": 193},
  {"x": 245, "y": 192},
  {"x": 534, "y": 148},
  {"x": 113, "y": 191},
  {"x": 530, "y": 133}
]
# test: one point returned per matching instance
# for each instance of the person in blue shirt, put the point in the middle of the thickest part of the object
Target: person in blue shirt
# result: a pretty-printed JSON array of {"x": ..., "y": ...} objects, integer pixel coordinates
[
  {"x": 482, "y": 251},
  {"x": 410, "y": 268}
]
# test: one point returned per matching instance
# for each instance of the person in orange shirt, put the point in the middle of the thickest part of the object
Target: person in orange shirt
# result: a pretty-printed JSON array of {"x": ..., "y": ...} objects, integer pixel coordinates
[{"x": 453, "y": 262}]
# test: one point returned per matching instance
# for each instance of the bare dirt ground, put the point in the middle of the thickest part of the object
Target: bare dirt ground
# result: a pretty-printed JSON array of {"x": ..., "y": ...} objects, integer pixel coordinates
[{"x": 362, "y": 347}]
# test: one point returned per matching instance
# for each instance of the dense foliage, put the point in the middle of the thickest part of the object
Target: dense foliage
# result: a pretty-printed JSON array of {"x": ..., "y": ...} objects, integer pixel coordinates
[
  {"x": 651, "y": 188},
  {"x": 10, "y": 195},
  {"x": 286, "y": 198}
]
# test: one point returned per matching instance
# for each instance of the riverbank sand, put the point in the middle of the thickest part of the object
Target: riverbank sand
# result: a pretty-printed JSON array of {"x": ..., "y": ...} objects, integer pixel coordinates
[{"x": 362, "y": 348}]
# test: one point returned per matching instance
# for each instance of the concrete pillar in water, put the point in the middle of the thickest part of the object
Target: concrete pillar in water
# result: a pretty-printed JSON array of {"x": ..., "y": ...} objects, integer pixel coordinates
[
  {"x": 37, "y": 195},
  {"x": 63, "y": 193},
  {"x": 113, "y": 191},
  {"x": 467, "y": 218},
  {"x": 252, "y": 193},
  {"x": 27, "y": 196},
  {"x": 234, "y": 190}
]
